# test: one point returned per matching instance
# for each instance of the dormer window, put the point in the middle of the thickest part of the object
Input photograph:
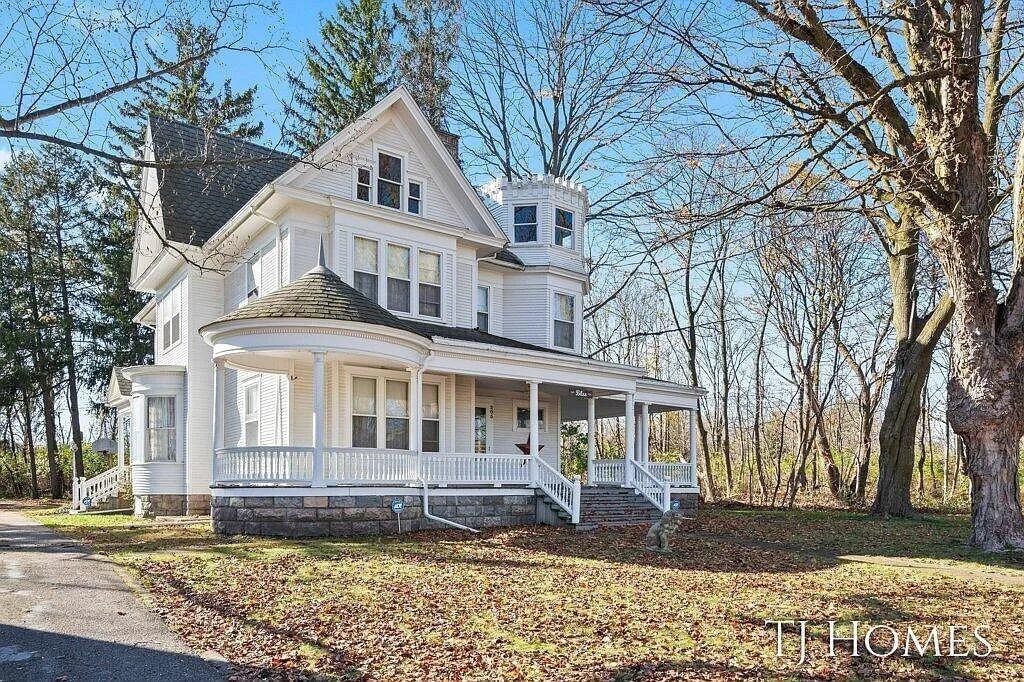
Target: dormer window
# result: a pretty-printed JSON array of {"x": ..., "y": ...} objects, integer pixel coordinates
[
  {"x": 524, "y": 220},
  {"x": 415, "y": 198},
  {"x": 563, "y": 228},
  {"x": 363, "y": 184},
  {"x": 389, "y": 181}
]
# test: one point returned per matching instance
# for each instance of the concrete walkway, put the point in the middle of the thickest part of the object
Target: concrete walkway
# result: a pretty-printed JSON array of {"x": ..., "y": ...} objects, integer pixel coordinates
[{"x": 65, "y": 614}]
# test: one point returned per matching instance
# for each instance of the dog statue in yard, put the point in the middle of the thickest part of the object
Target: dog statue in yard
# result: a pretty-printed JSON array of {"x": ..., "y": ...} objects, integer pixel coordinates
[{"x": 659, "y": 534}]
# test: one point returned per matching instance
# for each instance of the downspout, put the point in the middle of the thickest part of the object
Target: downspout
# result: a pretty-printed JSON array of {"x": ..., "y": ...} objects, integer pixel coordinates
[{"x": 427, "y": 514}]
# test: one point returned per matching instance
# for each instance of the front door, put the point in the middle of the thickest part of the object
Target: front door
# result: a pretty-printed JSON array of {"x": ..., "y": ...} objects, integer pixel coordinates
[{"x": 482, "y": 428}]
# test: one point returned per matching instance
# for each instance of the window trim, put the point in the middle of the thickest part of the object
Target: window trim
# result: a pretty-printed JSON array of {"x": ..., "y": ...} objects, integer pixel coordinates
[
  {"x": 377, "y": 151},
  {"x": 377, "y": 243},
  {"x": 410, "y": 279},
  {"x": 248, "y": 385},
  {"x": 409, "y": 198},
  {"x": 555, "y": 319},
  {"x": 555, "y": 228},
  {"x": 536, "y": 224},
  {"x": 171, "y": 299},
  {"x": 487, "y": 309},
  {"x": 147, "y": 441},
  {"x": 542, "y": 407}
]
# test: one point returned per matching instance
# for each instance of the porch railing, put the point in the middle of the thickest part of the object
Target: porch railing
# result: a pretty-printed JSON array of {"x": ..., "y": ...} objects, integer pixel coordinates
[
  {"x": 486, "y": 469},
  {"x": 564, "y": 492},
  {"x": 86, "y": 492},
  {"x": 676, "y": 473},
  {"x": 655, "y": 489},
  {"x": 264, "y": 464},
  {"x": 354, "y": 466},
  {"x": 607, "y": 471}
]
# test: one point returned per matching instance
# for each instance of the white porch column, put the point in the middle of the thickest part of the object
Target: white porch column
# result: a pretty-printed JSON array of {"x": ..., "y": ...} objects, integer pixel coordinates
[
  {"x": 218, "y": 413},
  {"x": 534, "y": 428},
  {"x": 319, "y": 416},
  {"x": 693, "y": 447},
  {"x": 591, "y": 437},
  {"x": 630, "y": 438},
  {"x": 645, "y": 432},
  {"x": 415, "y": 410}
]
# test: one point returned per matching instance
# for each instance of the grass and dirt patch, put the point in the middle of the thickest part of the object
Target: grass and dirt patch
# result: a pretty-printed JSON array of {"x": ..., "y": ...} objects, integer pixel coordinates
[{"x": 546, "y": 603}]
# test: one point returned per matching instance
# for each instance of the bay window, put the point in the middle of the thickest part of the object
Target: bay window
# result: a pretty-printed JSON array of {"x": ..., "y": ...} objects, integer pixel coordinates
[
  {"x": 483, "y": 308},
  {"x": 396, "y": 401},
  {"x": 364, "y": 412},
  {"x": 565, "y": 321},
  {"x": 563, "y": 228},
  {"x": 524, "y": 219},
  {"x": 389, "y": 180},
  {"x": 399, "y": 281},
  {"x": 430, "y": 418},
  {"x": 364, "y": 268},
  {"x": 429, "y": 271},
  {"x": 161, "y": 432}
]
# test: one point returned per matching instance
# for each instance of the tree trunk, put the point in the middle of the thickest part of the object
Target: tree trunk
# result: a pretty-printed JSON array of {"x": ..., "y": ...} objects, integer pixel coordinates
[
  {"x": 31, "y": 445},
  {"x": 78, "y": 463},
  {"x": 992, "y": 455}
]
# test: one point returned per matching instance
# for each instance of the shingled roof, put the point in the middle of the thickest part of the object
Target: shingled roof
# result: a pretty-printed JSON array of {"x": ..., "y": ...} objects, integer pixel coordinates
[
  {"x": 321, "y": 295},
  {"x": 217, "y": 177}
]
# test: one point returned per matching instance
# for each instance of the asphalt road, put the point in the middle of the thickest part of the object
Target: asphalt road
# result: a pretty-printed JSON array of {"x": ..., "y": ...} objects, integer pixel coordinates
[{"x": 66, "y": 615}]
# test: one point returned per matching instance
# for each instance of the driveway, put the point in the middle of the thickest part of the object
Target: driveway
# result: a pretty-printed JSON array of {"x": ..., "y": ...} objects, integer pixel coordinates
[{"x": 65, "y": 614}]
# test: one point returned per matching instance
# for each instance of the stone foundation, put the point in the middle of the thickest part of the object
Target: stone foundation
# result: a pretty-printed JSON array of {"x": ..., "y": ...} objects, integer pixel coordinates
[
  {"x": 354, "y": 515},
  {"x": 151, "y": 506},
  {"x": 197, "y": 505},
  {"x": 687, "y": 503}
]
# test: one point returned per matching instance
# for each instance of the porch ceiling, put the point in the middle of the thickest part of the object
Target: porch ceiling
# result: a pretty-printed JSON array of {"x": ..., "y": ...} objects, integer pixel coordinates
[{"x": 575, "y": 409}]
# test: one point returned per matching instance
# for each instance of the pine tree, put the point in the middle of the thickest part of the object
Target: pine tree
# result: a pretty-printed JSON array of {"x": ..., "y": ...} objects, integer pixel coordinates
[
  {"x": 430, "y": 32},
  {"x": 187, "y": 95},
  {"x": 351, "y": 71}
]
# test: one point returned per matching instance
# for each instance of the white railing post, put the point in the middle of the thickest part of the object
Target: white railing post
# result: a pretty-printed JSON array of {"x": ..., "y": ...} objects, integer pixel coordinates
[
  {"x": 591, "y": 437},
  {"x": 576, "y": 495},
  {"x": 318, "y": 420},
  {"x": 666, "y": 491},
  {"x": 74, "y": 492},
  {"x": 534, "y": 430},
  {"x": 630, "y": 437},
  {"x": 693, "y": 447}
]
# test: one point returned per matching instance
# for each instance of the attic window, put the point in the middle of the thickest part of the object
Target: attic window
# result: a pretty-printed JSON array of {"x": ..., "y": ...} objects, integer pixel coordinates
[
  {"x": 363, "y": 184},
  {"x": 389, "y": 180},
  {"x": 252, "y": 277},
  {"x": 414, "y": 197}
]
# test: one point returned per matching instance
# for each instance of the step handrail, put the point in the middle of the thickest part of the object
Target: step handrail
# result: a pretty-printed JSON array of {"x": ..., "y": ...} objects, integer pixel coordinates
[
  {"x": 99, "y": 486},
  {"x": 564, "y": 492},
  {"x": 657, "y": 490}
]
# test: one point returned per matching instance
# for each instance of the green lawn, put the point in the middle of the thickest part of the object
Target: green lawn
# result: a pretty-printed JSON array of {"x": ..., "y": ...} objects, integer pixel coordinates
[{"x": 545, "y": 603}]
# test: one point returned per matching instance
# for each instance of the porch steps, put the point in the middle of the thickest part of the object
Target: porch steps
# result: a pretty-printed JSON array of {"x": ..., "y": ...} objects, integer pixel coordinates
[{"x": 614, "y": 505}]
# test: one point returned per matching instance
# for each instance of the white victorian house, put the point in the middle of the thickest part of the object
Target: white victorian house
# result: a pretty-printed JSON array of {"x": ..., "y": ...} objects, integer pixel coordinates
[{"x": 362, "y": 342}]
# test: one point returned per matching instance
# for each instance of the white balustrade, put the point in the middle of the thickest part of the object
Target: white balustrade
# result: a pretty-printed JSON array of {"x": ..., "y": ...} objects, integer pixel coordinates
[
  {"x": 264, "y": 464},
  {"x": 97, "y": 488},
  {"x": 607, "y": 471},
  {"x": 564, "y": 492},
  {"x": 676, "y": 473},
  {"x": 469, "y": 469},
  {"x": 360, "y": 466},
  {"x": 658, "y": 491}
]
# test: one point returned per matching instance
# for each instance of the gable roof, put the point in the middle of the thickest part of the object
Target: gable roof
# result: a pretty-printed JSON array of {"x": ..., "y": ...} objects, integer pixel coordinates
[
  {"x": 218, "y": 176},
  {"x": 321, "y": 295}
]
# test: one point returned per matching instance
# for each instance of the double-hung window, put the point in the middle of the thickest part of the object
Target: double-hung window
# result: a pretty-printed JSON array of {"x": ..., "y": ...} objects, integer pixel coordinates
[
  {"x": 523, "y": 418},
  {"x": 364, "y": 269},
  {"x": 396, "y": 401},
  {"x": 399, "y": 281},
  {"x": 252, "y": 277},
  {"x": 415, "y": 198},
  {"x": 431, "y": 418},
  {"x": 364, "y": 412},
  {"x": 363, "y": 185},
  {"x": 389, "y": 180},
  {"x": 251, "y": 413},
  {"x": 524, "y": 219},
  {"x": 161, "y": 432},
  {"x": 565, "y": 321},
  {"x": 170, "y": 316},
  {"x": 563, "y": 228},
  {"x": 483, "y": 308},
  {"x": 429, "y": 271}
]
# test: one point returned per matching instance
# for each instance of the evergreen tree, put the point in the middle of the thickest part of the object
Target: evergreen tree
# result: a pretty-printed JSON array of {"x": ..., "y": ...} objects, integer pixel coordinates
[
  {"x": 430, "y": 32},
  {"x": 351, "y": 71},
  {"x": 187, "y": 95}
]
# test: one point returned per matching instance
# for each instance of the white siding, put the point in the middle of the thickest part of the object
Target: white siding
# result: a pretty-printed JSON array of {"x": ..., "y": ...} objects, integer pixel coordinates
[
  {"x": 464, "y": 390},
  {"x": 465, "y": 288},
  {"x": 494, "y": 280},
  {"x": 205, "y": 293},
  {"x": 504, "y": 437},
  {"x": 304, "y": 245}
]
